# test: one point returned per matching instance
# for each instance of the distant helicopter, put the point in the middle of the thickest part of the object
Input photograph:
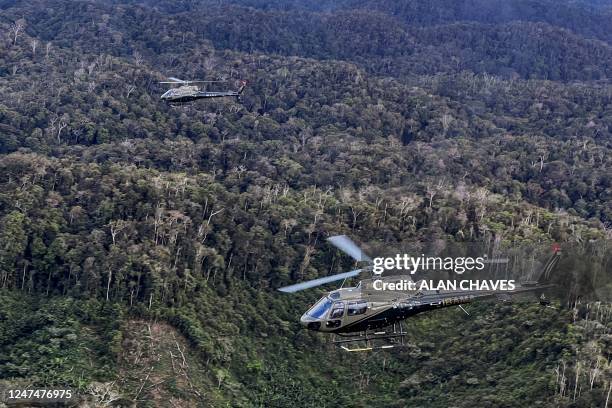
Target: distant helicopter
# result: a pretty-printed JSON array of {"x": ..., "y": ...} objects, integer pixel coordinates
[
  {"x": 187, "y": 92},
  {"x": 357, "y": 314}
]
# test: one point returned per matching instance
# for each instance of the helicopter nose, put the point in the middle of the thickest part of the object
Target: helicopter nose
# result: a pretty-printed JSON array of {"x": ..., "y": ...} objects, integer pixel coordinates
[{"x": 310, "y": 323}]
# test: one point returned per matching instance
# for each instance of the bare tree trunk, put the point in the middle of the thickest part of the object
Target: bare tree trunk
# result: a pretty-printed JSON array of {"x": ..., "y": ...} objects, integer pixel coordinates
[
  {"x": 576, "y": 381},
  {"x": 62, "y": 126},
  {"x": 110, "y": 274},
  {"x": 23, "y": 276}
]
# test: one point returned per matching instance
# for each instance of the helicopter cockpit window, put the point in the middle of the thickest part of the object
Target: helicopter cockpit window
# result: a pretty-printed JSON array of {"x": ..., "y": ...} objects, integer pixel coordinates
[
  {"x": 357, "y": 307},
  {"x": 337, "y": 311},
  {"x": 320, "y": 308}
]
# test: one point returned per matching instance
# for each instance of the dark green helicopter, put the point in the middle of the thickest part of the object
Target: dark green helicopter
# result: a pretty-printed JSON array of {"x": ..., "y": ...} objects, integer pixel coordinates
[
  {"x": 188, "y": 93},
  {"x": 366, "y": 314}
]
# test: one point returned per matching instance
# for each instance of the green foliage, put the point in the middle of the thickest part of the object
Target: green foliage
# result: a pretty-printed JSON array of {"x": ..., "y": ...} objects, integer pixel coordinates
[
  {"x": 52, "y": 343},
  {"x": 410, "y": 121}
]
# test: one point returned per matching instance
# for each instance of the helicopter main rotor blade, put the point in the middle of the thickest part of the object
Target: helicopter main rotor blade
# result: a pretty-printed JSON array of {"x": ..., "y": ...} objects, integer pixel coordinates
[
  {"x": 321, "y": 281},
  {"x": 344, "y": 243},
  {"x": 173, "y": 80}
]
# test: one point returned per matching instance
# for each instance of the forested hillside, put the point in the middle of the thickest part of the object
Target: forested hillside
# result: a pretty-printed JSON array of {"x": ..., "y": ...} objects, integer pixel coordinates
[{"x": 141, "y": 244}]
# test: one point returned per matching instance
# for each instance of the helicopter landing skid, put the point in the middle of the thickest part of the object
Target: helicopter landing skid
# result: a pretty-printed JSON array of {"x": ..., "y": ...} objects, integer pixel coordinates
[{"x": 372, "y": 340}]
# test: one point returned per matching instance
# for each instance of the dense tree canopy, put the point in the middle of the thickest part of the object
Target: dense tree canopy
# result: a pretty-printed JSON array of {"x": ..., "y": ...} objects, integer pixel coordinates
[{"x": 411, "y": 121}]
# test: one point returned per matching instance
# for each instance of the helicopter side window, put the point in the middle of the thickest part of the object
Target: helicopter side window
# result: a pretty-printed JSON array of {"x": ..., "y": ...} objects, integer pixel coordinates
[
  {"x": 357, "y": 307},
  {"x": 337, "y": 311}
]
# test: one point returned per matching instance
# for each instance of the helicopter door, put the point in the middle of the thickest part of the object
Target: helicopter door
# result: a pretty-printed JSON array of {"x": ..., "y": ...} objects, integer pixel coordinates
[
  {"x": 335, "y": 315},
  {"x": 337, "y": 311},
  {"x": 357, "y": 307}
]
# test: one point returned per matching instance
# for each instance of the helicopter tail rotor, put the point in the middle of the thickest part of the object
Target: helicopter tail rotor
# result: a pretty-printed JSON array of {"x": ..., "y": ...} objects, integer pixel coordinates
[{"x": 243, "y": 84}]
